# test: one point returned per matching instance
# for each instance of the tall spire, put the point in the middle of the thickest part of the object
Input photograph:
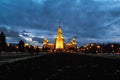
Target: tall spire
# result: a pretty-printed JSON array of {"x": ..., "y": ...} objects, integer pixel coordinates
[
  {"x": 59, "y": 30},
  {"x": 59, "y": 33},
  {"x": 59, "y": 23},
  {"x": 59, "y": 41}
]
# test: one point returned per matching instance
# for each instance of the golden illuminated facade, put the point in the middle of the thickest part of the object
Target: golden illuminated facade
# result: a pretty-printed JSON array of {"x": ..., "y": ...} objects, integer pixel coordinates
[
  {"x": 59, "y": 44},
  {"x": 59, "y": 40}
]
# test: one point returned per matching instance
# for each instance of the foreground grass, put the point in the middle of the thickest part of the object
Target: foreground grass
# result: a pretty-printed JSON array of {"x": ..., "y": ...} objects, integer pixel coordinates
[
  {"x": 106, "y": 55},
  {"x": 62, "y": 67},
  {"x": 12, "y": 57}
]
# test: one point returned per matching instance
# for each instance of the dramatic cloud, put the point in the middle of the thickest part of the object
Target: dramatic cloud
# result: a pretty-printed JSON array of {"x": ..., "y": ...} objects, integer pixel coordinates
[
  {"x": 86, "y": 20},
  {"x": 11, "y": 35}
]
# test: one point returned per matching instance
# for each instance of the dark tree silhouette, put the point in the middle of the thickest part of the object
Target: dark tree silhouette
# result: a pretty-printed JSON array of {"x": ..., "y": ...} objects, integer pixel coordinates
[
  {"x": 37, "y": 50},
  {"x": 21, "y": 46},
  {"x": 31, "y": 49},
  {"x": 2, "y": 42},
  {"x": 26, "y": 48}
]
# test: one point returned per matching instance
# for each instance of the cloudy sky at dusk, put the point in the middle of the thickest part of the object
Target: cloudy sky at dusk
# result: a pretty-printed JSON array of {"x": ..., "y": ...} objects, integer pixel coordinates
[{"x": 86, "y": 20}]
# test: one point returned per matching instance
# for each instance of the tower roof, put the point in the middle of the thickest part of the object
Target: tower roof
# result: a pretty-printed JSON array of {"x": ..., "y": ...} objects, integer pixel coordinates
[
  {"x": 59, "y": 33},
  {"x": 59, "y": 30}
]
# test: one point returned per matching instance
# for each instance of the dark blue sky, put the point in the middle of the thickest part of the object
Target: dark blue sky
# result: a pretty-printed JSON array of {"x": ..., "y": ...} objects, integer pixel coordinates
[{"x": 86, "y": 20}]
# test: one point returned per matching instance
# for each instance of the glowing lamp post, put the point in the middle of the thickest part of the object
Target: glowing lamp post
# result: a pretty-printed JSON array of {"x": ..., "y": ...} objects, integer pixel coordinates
[
  {"x": 16, "y": 47},
  {"x": 92, "y": 44},
  {"x": 112, "y": 46},
  {"x": 8, "y": 44},
  {"x": 98, "y": 47}
]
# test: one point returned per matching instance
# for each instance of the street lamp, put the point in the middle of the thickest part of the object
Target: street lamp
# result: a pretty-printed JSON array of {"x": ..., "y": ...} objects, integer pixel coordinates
[
  {"x": 112, "y": 46},
  {"x": 98, "y": 47},
  {"x": 92, "y": 44}
]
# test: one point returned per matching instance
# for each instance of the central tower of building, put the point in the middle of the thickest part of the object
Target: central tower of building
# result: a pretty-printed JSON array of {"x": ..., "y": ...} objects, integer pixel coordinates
[
  {"x": 59, "y": 45},
  {"x": 59, "y": 40}
]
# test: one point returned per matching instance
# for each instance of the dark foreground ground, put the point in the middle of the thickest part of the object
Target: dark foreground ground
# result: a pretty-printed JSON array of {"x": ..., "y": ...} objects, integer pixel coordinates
[{"x": 62, "y": 67}]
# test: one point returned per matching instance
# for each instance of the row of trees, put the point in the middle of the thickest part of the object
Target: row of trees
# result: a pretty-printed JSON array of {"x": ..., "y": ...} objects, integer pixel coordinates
[
  {"x": 101, "y": 48},
  {"x": 89, "y": 48},
  {"x": 20, "y": 47}
]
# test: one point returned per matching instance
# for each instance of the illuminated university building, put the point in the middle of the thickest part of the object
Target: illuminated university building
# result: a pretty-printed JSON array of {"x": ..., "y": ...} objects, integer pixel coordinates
[{"x": 59, "y": 45}]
